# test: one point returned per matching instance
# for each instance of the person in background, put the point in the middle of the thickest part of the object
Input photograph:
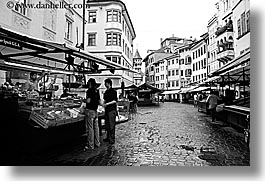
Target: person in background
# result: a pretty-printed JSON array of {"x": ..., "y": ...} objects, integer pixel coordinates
[
  {"x": 110, "y": 104},
  {"x": 195, "y": 100},
  {"x": 65, "y": 93},
  {"x": 212, "y": 101},
  {"x": 91, "y": 119},
  {"x": 33, "y": 83},
  {"x": 134, "y": 102}
]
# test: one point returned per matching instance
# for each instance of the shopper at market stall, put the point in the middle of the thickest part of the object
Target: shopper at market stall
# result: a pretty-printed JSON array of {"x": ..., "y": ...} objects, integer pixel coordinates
[
  {"x": 92, "y": 101},
  {"x": 212, "y": 101},
  {"x": 110, "y": 104}
]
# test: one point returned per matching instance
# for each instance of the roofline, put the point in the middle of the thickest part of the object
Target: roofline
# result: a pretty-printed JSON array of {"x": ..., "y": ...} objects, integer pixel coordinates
[
  {"x": 172, "y": 38},
  {"x": 197, "y": 43},
  {"x": 172, "y": 56},
  {"x": 184, "y": 46}
]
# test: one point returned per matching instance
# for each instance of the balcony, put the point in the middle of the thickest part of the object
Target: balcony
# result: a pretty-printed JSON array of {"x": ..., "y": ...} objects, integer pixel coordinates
[
  {"x": 227, "y": 28},
  {"x": 226, "y": 55}
]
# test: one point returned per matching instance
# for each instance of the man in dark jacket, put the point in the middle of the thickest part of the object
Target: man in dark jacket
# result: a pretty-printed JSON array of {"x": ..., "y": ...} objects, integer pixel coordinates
[{"x": 110, "y": 104}]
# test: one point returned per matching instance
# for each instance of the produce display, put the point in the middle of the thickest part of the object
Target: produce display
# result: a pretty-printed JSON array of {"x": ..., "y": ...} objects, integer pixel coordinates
[{"x": 52, "y": 113}]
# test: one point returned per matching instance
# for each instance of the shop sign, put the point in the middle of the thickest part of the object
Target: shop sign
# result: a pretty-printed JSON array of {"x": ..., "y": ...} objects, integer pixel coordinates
[{"x": 10, "y": 43}]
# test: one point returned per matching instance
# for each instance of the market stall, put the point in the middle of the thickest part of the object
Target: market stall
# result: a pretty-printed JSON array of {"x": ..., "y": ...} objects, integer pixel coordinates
[
  {"x": 148, "y": 95},
  {"x": 235, "y": 77},
  {"x": 41, "y": 119}
]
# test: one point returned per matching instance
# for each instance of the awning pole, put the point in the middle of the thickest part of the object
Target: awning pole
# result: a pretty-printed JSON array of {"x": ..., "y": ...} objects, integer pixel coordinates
[
  {"x": 244, "y": 85},
  {"x": 44, "y": 88},
  {"x": 229, "y": 81},
  {"x": 69, "y": 81}
]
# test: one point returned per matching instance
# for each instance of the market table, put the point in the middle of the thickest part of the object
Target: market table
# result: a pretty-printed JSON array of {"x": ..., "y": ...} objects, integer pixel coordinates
[{"x": 237, "y": 115}]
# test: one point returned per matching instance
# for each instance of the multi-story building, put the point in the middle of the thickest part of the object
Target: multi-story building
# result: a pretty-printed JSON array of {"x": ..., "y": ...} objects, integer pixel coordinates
[
  {"x": 199, "y": 61},
  {"x": 137, "y": 65},
  {"x": 232, "y": 35},
  {"x": 229, "y": 33},
  {"x": 110, "y": 34},
  {"x": 150, "y": 67},
  {"x": 161, "y": 74},
  {"x": 169, "y": 47},
  {"x": 185, "y": 64},
  {"x": 225, "y": 31},
  {"x": 241, "y": 24},
  {"x": 42, "y": 24},
  {"x": 213, "y": 64},
  {"x": 173, "y": 77}
]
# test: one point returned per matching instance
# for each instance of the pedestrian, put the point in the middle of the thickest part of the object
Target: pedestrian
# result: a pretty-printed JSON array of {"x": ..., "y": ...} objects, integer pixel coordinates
[
  {"x": 211, "y": 101},
  {"x": 110, "y": 104},
  {"x": 195, "y": 100},
  {"x": 91, "y": 116}
]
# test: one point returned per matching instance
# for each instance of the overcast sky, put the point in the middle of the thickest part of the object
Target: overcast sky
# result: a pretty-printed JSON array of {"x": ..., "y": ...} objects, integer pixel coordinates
[{"x": 153, "y": 19}]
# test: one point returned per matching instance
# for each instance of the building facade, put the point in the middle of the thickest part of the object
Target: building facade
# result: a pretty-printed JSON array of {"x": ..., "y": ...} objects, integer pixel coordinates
[
  {"x": 213, "y": 64},
  {"x": 241, "y": 24},
  {"x": 110, "y": 34},
  {"x": 225, "y": 31},
  {"x": 229, "y": 33},
  {"x": 199, "y": 61},
  {"x": 151, "y": 65},
  {"x": 185, "y": 61}
]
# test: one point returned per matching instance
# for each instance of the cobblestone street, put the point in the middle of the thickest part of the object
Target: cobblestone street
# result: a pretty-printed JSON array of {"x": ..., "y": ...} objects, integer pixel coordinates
[{"x": 170, "y": 135}]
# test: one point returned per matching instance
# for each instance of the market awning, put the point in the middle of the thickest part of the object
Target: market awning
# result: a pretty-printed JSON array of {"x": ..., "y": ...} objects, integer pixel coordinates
[
  {"x": 25, "y": 50},
  {"x": 210, "y": 81},
  {"x": 16, "y": 66},
  {"x": 237, "y": 62},
  {"x": 146, "y": 86},
  {"x": 186, "y": 90},
  {"x": 171, "y": 92},
  {"x": 239, "y": 75},
  {"x": 199, "y": 89}
]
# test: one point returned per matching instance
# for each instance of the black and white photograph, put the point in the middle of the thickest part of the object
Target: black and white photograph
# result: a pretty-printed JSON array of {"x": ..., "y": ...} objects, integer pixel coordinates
[{"x": 125, "y": 83}]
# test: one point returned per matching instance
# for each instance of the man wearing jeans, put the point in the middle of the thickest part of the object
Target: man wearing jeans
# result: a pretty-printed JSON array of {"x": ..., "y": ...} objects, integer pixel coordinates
[
  {"x": 110, "y": 104},
  {"x": 92, "y": 101}
]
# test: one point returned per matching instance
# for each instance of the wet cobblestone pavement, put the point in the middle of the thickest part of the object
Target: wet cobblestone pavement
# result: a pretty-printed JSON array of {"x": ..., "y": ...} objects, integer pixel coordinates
[{"x": 172, "y": 134}]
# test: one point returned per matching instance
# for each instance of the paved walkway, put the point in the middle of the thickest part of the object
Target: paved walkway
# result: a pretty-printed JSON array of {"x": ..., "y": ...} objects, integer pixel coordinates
[{"x": 172, "y": 134}]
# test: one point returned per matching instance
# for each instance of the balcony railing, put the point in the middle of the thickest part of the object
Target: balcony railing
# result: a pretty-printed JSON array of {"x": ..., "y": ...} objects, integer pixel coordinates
[
  {"x": 227, "y": 28},
  {"x": 226, "y": 55}
]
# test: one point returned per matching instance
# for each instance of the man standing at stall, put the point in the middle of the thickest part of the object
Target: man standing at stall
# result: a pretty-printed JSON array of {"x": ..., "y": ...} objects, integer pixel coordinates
[
  {"x": 212, "y": 101},
  {"x": 92, "y": 101},
  {"x": 110, "y": 104}
]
